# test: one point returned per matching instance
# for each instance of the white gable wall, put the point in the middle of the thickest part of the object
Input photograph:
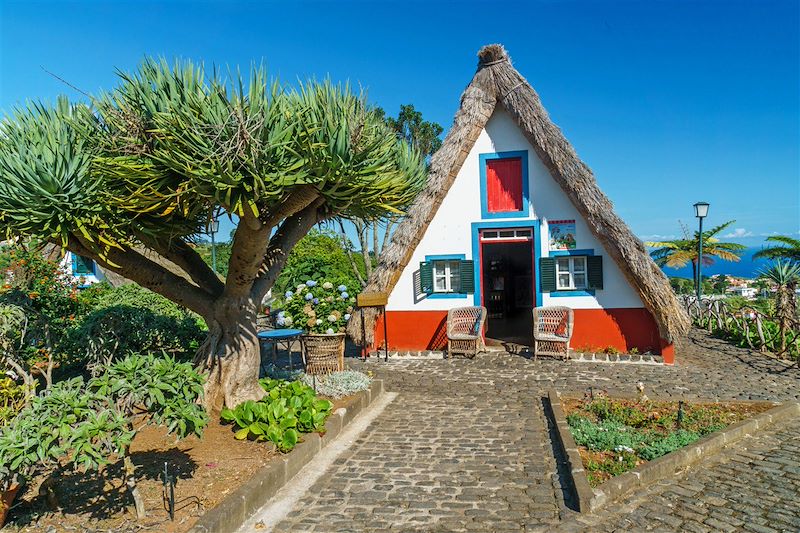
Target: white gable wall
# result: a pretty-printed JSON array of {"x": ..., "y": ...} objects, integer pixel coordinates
[{"x": 450, "y": 231}]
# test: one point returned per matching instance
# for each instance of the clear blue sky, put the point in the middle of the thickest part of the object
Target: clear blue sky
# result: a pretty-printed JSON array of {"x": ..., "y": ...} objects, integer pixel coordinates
[{"x": 668, "y": 102}]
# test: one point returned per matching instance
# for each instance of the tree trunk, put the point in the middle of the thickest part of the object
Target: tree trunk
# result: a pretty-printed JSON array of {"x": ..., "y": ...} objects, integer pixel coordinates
[{"x": 231, "y": 354}]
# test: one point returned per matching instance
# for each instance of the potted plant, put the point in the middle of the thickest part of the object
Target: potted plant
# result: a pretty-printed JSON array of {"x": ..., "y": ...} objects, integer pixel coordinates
[{"x": 321, "y": 310}]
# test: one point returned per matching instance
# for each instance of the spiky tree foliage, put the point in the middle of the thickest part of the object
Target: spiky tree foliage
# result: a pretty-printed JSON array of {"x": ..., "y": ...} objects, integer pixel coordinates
[
  {"x": 132, "y": 180},
  {"x": 788, "y": 248},
  {"x": 784, "y": 276},
  {"x": 680, "y": 252}
]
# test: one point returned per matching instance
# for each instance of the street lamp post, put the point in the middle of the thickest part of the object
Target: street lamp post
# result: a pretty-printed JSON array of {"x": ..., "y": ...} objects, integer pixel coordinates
[
  {"x": 700, "y": 211},
  {"x": 213, "y": 229}
]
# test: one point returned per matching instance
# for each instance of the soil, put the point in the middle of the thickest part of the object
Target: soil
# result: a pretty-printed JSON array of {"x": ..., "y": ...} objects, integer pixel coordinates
[
  {"x": 738, "y": 410},
  {"x": 205, "y": 469}
]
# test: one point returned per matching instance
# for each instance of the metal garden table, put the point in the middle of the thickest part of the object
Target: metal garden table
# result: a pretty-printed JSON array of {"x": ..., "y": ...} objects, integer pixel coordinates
[{"x": 275, "y": 336}]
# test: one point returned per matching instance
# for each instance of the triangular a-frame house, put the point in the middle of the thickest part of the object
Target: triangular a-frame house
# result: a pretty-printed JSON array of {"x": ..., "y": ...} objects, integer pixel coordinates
[{"x": 512, "y": 219}]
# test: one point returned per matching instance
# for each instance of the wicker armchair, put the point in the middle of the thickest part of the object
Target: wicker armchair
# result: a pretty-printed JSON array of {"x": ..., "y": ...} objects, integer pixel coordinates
[
  {"x": 465, "y": 330},
  {"x": 552, "y": 331}
]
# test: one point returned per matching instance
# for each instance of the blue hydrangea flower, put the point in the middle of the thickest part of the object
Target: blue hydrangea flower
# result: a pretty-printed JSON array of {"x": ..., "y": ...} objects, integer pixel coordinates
[
  {"x": 311, "y": 283},
  {"x": 345, "y": 295},
  {"x": 309, "y": 296},
  {"x": 315, "y": 301},
  {"x": 341, "y": 288},
  {"x": 289, "y": 294}
]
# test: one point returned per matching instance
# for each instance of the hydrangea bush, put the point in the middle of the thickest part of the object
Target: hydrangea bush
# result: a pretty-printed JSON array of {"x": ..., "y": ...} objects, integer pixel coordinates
[{"x": 317, "y": 307}]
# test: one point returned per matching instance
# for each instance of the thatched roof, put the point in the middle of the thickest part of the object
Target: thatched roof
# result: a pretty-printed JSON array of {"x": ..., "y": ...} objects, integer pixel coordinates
[{"x": 497, "y": 82}]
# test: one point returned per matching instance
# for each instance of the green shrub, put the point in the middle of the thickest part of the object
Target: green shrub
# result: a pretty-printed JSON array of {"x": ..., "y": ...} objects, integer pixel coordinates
[
  {"x": 318, "y": 256},
  {"x": 607, "y": 409},
  {"x": 12, "y": 399},
  {"x": 49, "y": 299},
  {"x": 657, "y": 447},
  {"x": 603, "y": 436},
  {"x": 91, "y": 424},
  {"x": 288, "y": 409},
  {"x": 130, "y": 319}
]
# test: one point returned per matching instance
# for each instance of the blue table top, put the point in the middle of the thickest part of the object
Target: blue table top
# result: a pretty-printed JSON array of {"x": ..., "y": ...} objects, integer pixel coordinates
[{"x": 277, "y": 334}]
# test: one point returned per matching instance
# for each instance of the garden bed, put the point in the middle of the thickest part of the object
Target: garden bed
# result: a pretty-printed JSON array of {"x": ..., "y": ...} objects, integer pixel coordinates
[
  {"x": 645, "y": 428},
  {"x": 207, "y": 470},
  {"x": 616, "y": 435}
]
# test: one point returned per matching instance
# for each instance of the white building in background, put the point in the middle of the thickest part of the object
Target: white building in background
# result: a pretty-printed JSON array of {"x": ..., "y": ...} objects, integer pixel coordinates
[
  {"x": 84, "y": 271},
  {"x": 745, "y": 292}
]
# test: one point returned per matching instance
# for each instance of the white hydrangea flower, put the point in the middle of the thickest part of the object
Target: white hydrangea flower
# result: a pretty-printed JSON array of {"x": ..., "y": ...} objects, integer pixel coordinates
[{"x": 329, "y": 331}]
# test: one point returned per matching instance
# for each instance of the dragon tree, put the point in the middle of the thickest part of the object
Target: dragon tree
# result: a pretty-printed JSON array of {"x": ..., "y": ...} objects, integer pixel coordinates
[{"x": 131, "y": 178}]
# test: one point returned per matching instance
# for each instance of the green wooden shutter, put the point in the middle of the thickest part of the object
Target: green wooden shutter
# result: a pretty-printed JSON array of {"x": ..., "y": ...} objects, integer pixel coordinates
[
  {"x": 547, "y": 274},
  {"x": 426, "y": 277},
  {"x": 594, "y": 267},
  {"x": 467, "y": 276}
]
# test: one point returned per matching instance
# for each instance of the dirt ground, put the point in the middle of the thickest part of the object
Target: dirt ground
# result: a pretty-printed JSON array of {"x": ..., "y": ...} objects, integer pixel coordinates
[{"x": 205, "y": 470}]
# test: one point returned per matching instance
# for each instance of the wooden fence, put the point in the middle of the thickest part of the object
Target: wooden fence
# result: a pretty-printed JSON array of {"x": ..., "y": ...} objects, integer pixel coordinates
[{"x": 746, "y": 325}]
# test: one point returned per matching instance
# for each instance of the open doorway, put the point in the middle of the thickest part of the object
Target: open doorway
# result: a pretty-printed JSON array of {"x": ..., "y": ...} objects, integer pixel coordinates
[{"x": 507, "y": 283}]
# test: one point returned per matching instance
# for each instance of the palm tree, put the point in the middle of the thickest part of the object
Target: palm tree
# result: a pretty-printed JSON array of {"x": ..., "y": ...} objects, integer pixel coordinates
[
  {"x": 785, "y": 276},
  {"x": 679, "y": 252},
  {"x": 789, "y": 249}
]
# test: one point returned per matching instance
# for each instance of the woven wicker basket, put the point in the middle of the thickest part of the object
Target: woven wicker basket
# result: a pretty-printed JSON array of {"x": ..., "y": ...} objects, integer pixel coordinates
[{"x": 323, "y": 353}]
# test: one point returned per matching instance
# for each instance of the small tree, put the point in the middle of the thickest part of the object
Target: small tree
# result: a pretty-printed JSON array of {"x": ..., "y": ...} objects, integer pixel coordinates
[
  {"x": 133, "y": 181},
  {"x": 785, "y": 276},
  {"x": 680, "y": 252},
  {"x": 787, "y": 248}
]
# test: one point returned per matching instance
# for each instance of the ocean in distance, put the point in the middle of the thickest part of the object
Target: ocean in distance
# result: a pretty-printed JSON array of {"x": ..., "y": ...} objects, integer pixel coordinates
[{"x": 747, "y": 267}]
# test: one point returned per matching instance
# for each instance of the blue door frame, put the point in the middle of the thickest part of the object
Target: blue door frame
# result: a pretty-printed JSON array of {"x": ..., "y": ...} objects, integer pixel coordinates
[{"x": 534, "y": 225}]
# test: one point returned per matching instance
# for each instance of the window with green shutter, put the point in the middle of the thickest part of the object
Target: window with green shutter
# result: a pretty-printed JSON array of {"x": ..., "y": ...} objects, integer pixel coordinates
[
  {"x": 447, "y": 275},
  {"x": 571, "y": 274}
]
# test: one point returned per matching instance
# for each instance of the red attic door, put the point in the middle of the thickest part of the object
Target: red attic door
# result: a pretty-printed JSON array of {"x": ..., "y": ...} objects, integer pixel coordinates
[{"x": 504, "y": 185}]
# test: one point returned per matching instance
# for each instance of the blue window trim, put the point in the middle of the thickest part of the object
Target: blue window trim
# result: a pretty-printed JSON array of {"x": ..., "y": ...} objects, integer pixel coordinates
[
  {"x": 75, "y": 267},
  {"x": 564, "y": 294},
  {"x": 534, "y": 225},
  {"x": 446, "y": 295},
  {"x": 525, "y": 211}
]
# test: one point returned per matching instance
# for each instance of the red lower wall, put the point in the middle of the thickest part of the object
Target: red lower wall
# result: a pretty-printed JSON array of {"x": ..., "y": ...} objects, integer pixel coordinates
[{"x": 594, "y": 330}]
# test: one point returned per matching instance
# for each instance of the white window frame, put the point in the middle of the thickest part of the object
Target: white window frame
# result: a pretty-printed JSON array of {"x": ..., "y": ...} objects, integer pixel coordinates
[
  {"x": 447, "y": 266},
  {"x": 581, "y": 268}
]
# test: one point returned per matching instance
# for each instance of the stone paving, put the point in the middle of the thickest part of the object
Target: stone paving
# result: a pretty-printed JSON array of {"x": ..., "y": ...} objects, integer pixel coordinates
[{"x": 466, "y": 446}]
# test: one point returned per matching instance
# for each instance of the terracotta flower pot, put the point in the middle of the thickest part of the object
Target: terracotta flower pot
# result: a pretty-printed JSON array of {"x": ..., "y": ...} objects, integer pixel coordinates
[{"x": 6, "y": 499}]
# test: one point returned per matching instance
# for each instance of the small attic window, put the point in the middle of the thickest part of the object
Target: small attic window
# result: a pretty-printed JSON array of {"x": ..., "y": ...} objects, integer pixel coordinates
[{"x": 504, "y": 184}]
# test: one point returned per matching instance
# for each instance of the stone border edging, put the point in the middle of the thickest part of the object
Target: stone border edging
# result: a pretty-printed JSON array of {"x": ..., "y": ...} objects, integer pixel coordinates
[
  {"x": 591, "y": 499},
  {"x": 229, "y": 515}
]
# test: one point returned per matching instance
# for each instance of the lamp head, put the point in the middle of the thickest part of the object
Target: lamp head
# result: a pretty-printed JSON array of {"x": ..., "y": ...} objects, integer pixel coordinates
[{"x": 701, "y": 209}]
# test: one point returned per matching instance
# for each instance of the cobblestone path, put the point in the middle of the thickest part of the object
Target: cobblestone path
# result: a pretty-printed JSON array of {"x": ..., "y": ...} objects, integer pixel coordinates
[{"x": 466, "y": 447}]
